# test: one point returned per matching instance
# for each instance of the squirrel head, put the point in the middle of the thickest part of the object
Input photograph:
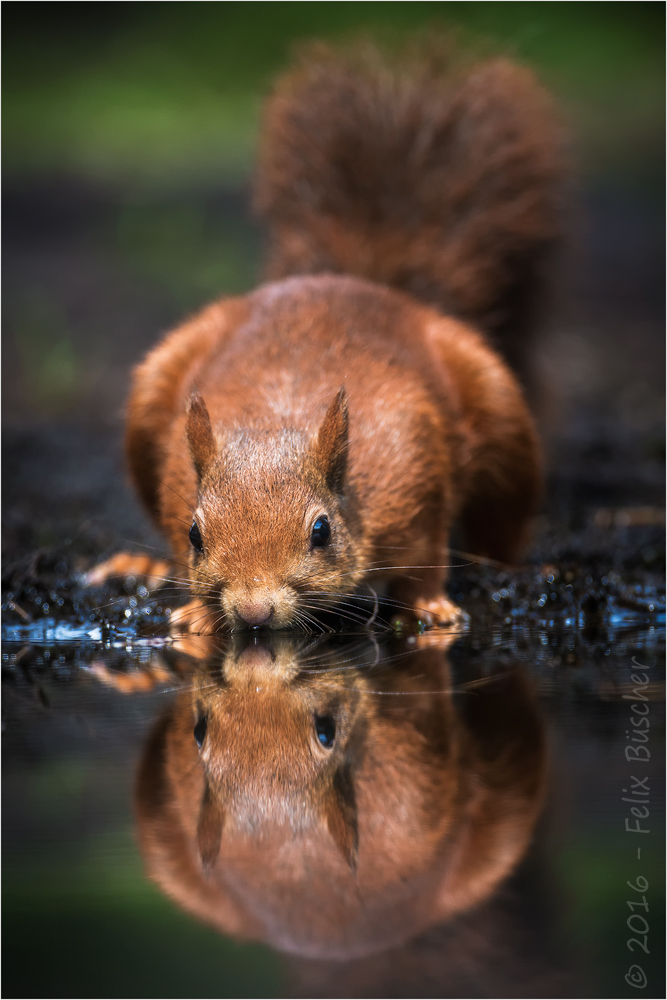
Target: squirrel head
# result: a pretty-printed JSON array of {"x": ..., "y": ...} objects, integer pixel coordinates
[
  {"x": 270, "y": 536},
  {"x": 273, "y": 743}
]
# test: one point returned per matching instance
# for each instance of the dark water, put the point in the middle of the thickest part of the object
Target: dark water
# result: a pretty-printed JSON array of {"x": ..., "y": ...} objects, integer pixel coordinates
[{"x": 458, "y": 827}]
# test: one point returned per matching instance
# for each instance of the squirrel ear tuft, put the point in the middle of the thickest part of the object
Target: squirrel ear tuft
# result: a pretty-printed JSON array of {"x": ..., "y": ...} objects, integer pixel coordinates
[
  {"x": 209, "y": 828},
  {"x": 332, "y": 443},
  {"x": 340, "y": 812},
  {"x": 200, "y": 434}
]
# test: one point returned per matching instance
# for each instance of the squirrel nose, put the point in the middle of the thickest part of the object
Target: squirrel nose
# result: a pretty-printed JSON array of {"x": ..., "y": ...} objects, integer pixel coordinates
[{"x": 255, "y": 613}]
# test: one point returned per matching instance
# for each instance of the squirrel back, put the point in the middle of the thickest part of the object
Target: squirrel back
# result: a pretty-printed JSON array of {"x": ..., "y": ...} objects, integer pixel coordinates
[{"x": 443, "y": 184}]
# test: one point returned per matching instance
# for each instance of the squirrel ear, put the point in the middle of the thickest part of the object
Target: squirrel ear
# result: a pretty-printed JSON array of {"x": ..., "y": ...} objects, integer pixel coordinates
[
  {"x": 340, "y": 812},
  {"x": 209, "y": 828},
  {"x": 331, "y": 446},
  {"x": 200, "y": 434}
]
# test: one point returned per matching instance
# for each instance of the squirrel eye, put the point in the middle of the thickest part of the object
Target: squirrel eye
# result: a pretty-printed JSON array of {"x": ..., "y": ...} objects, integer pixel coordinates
[
  {"x": 325, "y": 727},
  {"x": 321, "y": 532},
  {"x": 200, "y": 731},
  {"x": 195, "y": 538}
]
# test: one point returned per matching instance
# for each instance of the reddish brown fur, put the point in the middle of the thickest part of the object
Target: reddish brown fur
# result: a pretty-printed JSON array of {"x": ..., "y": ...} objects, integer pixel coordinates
[
  {"x": 330, "y": 394},
  {"x": 442, "y": 182},
  {"x": 413, "y": 816}
]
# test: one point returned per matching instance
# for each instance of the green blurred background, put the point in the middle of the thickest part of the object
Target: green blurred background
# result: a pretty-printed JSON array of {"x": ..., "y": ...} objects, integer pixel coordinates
[
  {"x": 129, "y": 135},
  {"x": 162, "y": 93}
]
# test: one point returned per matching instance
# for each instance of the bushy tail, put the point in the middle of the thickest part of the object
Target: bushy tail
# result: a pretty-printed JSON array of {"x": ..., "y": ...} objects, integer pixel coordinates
[{"x": 447, "y": 185}]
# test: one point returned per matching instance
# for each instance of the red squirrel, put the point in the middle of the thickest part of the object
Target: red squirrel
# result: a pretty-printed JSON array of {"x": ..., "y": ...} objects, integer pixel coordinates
[
  {"x": 332, "y": 810},
  {"x": 326, "y": 431}
]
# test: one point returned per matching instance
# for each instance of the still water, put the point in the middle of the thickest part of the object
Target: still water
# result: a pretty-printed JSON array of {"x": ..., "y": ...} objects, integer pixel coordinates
[{"x": 467, "y": 815}]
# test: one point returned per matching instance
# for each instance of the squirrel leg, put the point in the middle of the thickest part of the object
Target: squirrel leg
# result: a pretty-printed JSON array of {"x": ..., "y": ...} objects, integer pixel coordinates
[
  {"x": 500, "y": 475},
  {"x": 425, "y": 600},
  {"x": 152, "y": 570},
  {"x": 196, "y": 618},
  {"x": 146, "y": 679}
]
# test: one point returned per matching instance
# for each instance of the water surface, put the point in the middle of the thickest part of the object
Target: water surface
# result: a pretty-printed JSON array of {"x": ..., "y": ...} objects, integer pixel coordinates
[{"x": 366, "y": 816}]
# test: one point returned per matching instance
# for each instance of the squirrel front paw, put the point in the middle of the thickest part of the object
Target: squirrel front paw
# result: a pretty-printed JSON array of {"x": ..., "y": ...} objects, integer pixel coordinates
[
  {"x": 195, "y": 618},
  {"x": 154, "y": 571},
  {"x": 146, "y": 679},
  {"x": 438, "y": 612}
]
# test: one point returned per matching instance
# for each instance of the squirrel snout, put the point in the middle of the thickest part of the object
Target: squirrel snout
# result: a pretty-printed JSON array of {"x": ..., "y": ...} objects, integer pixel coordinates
[
  {"x": 266, "y": 605},
  {"x": 255, "y": 613}
]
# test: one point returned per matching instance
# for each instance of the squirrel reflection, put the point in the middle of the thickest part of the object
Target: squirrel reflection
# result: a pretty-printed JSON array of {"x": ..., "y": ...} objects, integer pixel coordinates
[{"x": 331, "y": 807}]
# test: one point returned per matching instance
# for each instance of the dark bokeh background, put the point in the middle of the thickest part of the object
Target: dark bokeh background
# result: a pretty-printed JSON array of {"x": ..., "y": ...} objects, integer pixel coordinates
[{"x": 129, "y": 131}]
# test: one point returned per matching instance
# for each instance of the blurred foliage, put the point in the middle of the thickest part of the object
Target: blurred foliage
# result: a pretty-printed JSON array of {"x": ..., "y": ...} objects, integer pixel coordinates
[
  {"x": 50, "y": 369},
  {"x": 99, "y": 928},
  {"x": 169, "y": 93},
  {"x": 185, "y": 248},
  {"x": 594, "y": 875}
]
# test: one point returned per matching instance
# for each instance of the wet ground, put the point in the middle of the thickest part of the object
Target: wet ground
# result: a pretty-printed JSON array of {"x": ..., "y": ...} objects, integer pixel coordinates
[{"x": 92, "y": 277}]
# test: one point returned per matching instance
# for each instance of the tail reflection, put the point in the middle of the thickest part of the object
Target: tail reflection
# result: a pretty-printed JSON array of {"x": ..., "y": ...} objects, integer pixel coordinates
[{"x": 340, "y": 803}]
